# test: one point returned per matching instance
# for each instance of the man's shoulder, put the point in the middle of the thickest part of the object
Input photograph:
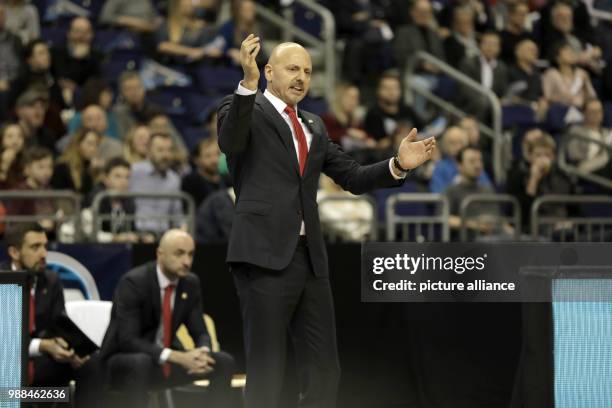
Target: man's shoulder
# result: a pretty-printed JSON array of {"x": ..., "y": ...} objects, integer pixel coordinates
[{"x": 140, "y": 273}]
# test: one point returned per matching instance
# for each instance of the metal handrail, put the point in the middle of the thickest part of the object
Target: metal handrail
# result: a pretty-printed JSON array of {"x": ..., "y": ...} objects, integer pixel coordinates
[
  {"x": 574, "y": 170},
  {"x": 373, "y": 234},
  {"x": 596, "y": 13},
  {"x": 490, "y": 198},
  {"x": 98, "y": 218},
  {"x": 421, "y": 198},
  {"x": 57, "y": 195},
  {"x": 326, "y": 45},
  {"x": 568, "y": 199},
  {"x": 495, "y": 132}
]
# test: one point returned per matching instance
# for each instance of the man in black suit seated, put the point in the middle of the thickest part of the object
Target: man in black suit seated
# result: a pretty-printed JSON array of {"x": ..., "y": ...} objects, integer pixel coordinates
[
  {"x": 140, "y": 347},
  {"x": 52, "y": 362}
]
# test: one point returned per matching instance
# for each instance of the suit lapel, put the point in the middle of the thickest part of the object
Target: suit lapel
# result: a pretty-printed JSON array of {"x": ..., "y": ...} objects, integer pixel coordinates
[
  {"x": 281, "y": 128},
  {"x": 155, "y": 294},
  {"x": 310, "y": 124},
  {"x": 180, "y": 297}
]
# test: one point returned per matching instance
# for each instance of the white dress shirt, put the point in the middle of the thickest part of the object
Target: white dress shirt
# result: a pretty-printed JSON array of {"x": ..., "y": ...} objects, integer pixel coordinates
[
  {"x": 280, "y": 106},
  {"x": 159, "y": 337},
  {"x": 486, "y": 72}
]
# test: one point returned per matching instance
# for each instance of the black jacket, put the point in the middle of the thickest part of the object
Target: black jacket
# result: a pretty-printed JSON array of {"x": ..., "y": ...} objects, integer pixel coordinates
[
  {"x": 49, "y": 299},
  {"x": 137, "y": 314},
  {"x": 271, "y": 196}
]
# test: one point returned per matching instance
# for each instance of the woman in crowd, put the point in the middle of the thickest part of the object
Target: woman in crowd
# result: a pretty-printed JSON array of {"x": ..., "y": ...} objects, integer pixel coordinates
[
  {"x": 565, "y": 83},
  {"x": 343, "y": 126},
  {"x": 77, "y": 168},
  {"x": 184, "y": 38},
  {"x": 11, "y": 154},
  {"x": 137, "y": 144}
]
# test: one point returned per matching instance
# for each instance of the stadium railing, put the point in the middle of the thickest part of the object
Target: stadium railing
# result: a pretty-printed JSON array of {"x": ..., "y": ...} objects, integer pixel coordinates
[
  {"x": 494, "y": 206},
  {"x": 417, "y": 217},
  {"x": 565, "y": 162}
]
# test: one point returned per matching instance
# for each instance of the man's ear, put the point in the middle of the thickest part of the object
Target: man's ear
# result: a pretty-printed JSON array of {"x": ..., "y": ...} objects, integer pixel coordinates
[
  {"x": 13, "y": 253},
  {"x": 268, "y": 72}
]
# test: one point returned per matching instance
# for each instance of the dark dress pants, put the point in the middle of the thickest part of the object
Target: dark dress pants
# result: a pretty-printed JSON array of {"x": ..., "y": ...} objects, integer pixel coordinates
[
  {"x": 89, "y": 379},
  {"x": 136, "y": 374},
  {"x": 291, "y": 302}
]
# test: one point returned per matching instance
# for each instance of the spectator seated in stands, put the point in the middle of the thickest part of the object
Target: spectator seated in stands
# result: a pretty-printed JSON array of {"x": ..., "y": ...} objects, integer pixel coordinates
[
  {"x": 234, "y": 31},
  {"x": 525, "y": 80},
  {"x": 139, "y": 16},
  {"x": 588, "y": 55},
  {"x": 51, "y": 363},
  {"x": 515, "y": 31},
  {"x": 133, "y": 107},
  {"x": 22, "y": 20},
  {"x": 539, "y": 175},
  {"x": 78, "y": 166},
  {"x": 204, "y": 177},
  {"x": 591, "y": 157},
  {"x": 342, "y": 121},
  {"x": 419, "y": 35},
  {"x": 37, "y": 74},
  {"x": 483, "y": 19},
  {"x": 117, "y": 214},
  {"x": 471, "y": 127},
  {"x": 10, "y": 49},
  {"x": 364, "y": 25},
  {"x": 38, "y": 170},
  {"x": 382, "y": 118},
  {"x": 446, "y": 170},
  {"x": 31, "y": 107},
  {"x": 136, "y": 146},
  {"x": 461, "y": 43},
  {"x": 96, "y": 91},
  {"x": 141, "y": 348},
  {"x": 565, "y": 83},
  {"x": 346, "y": 220},
  {"x": 11, "y": 155},
  {"x": 215, "y": 216},
  {"x": 184, "y": 38},
  {"x": 488, "y": 71},
  {"x": 155, "y": 175},
  {"x": 76, "y": 61},
  {"x": 161, "y": 123},
  {"x": 483, "y": 218}
]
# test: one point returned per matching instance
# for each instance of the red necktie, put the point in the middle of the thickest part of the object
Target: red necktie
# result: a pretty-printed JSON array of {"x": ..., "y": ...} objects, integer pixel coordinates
[
  {"x": 31, "y": 326},
  {"x": 300, "y": 136},
  {"x": 167, "y": 322}
]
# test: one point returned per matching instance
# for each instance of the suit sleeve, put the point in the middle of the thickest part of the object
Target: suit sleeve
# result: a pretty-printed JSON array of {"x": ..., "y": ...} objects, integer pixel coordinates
[
  {"x": 195, "y": 321},
  {"x": 352, "y": 176},
  {"x": 234, "y": 123},
  {"x": 128, "y": 321}
]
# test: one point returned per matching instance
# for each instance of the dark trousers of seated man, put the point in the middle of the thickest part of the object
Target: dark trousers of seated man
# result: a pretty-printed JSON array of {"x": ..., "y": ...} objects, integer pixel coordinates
[
  {"x": 89, "y": 380},
  {"x": 137, "y": 373}
]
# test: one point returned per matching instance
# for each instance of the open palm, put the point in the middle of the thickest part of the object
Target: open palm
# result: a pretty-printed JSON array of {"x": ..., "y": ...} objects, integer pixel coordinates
[{"x": 412, "y": 154}]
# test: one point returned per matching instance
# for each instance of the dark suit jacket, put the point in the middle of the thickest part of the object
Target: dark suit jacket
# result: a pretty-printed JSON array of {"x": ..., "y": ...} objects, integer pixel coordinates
[
  {"x": 471, "y": 67},
  {"x": 137, "y": 314},
  {"x": 271, "y": 196},
  {"x": 410, "y": 39},
  {"x": 49, "y": 299}
]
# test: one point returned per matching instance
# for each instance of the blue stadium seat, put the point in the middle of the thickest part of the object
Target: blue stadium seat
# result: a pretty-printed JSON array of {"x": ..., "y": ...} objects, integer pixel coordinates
[
  {"x": 382, "y": 195},
  {"x": 307, "y": 20},
  {"x": 555, "y": 119},
  {"x": 53, "y": 35},
  {"x": 218, "y": 79},
  {"x": 200, "y": 106},
  {"x": 317, "y": 106},
  {"x": 447, "y": 88},
  {"x": 518, "y": 115},
  {"x": 192, "y": 136},
  {"x": 120, "y": 61},
  {"x": 175, "y": 100}
]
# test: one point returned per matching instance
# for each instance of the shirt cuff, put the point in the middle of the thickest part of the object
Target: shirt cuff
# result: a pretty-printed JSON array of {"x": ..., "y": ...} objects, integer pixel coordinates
[
  {"x": 398, "y": 175},
  {"x": 164, "y": 355},
  {"x": 34, "y": 348},
  {"x": 242, "y": 91}
]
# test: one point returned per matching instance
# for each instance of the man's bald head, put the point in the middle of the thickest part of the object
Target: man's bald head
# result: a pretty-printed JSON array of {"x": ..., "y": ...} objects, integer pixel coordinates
[
  {"x": 288, "y": 72},
  {"x": 175, "y": 253}
]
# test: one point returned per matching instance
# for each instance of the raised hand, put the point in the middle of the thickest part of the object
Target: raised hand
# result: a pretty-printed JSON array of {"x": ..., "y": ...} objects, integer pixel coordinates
[
  {"x": 248, "y": 51},
  {"x": 413, "y": 154}
]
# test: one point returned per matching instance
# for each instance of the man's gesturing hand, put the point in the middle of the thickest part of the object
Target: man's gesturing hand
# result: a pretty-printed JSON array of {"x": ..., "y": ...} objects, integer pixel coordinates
[
  {"x": 412, "y": 154},
  {"x": 248, "y": 51}
]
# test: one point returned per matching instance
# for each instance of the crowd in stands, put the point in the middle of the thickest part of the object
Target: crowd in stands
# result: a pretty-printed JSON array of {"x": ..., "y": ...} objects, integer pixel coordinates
[{"x": 123, "y": 98}]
